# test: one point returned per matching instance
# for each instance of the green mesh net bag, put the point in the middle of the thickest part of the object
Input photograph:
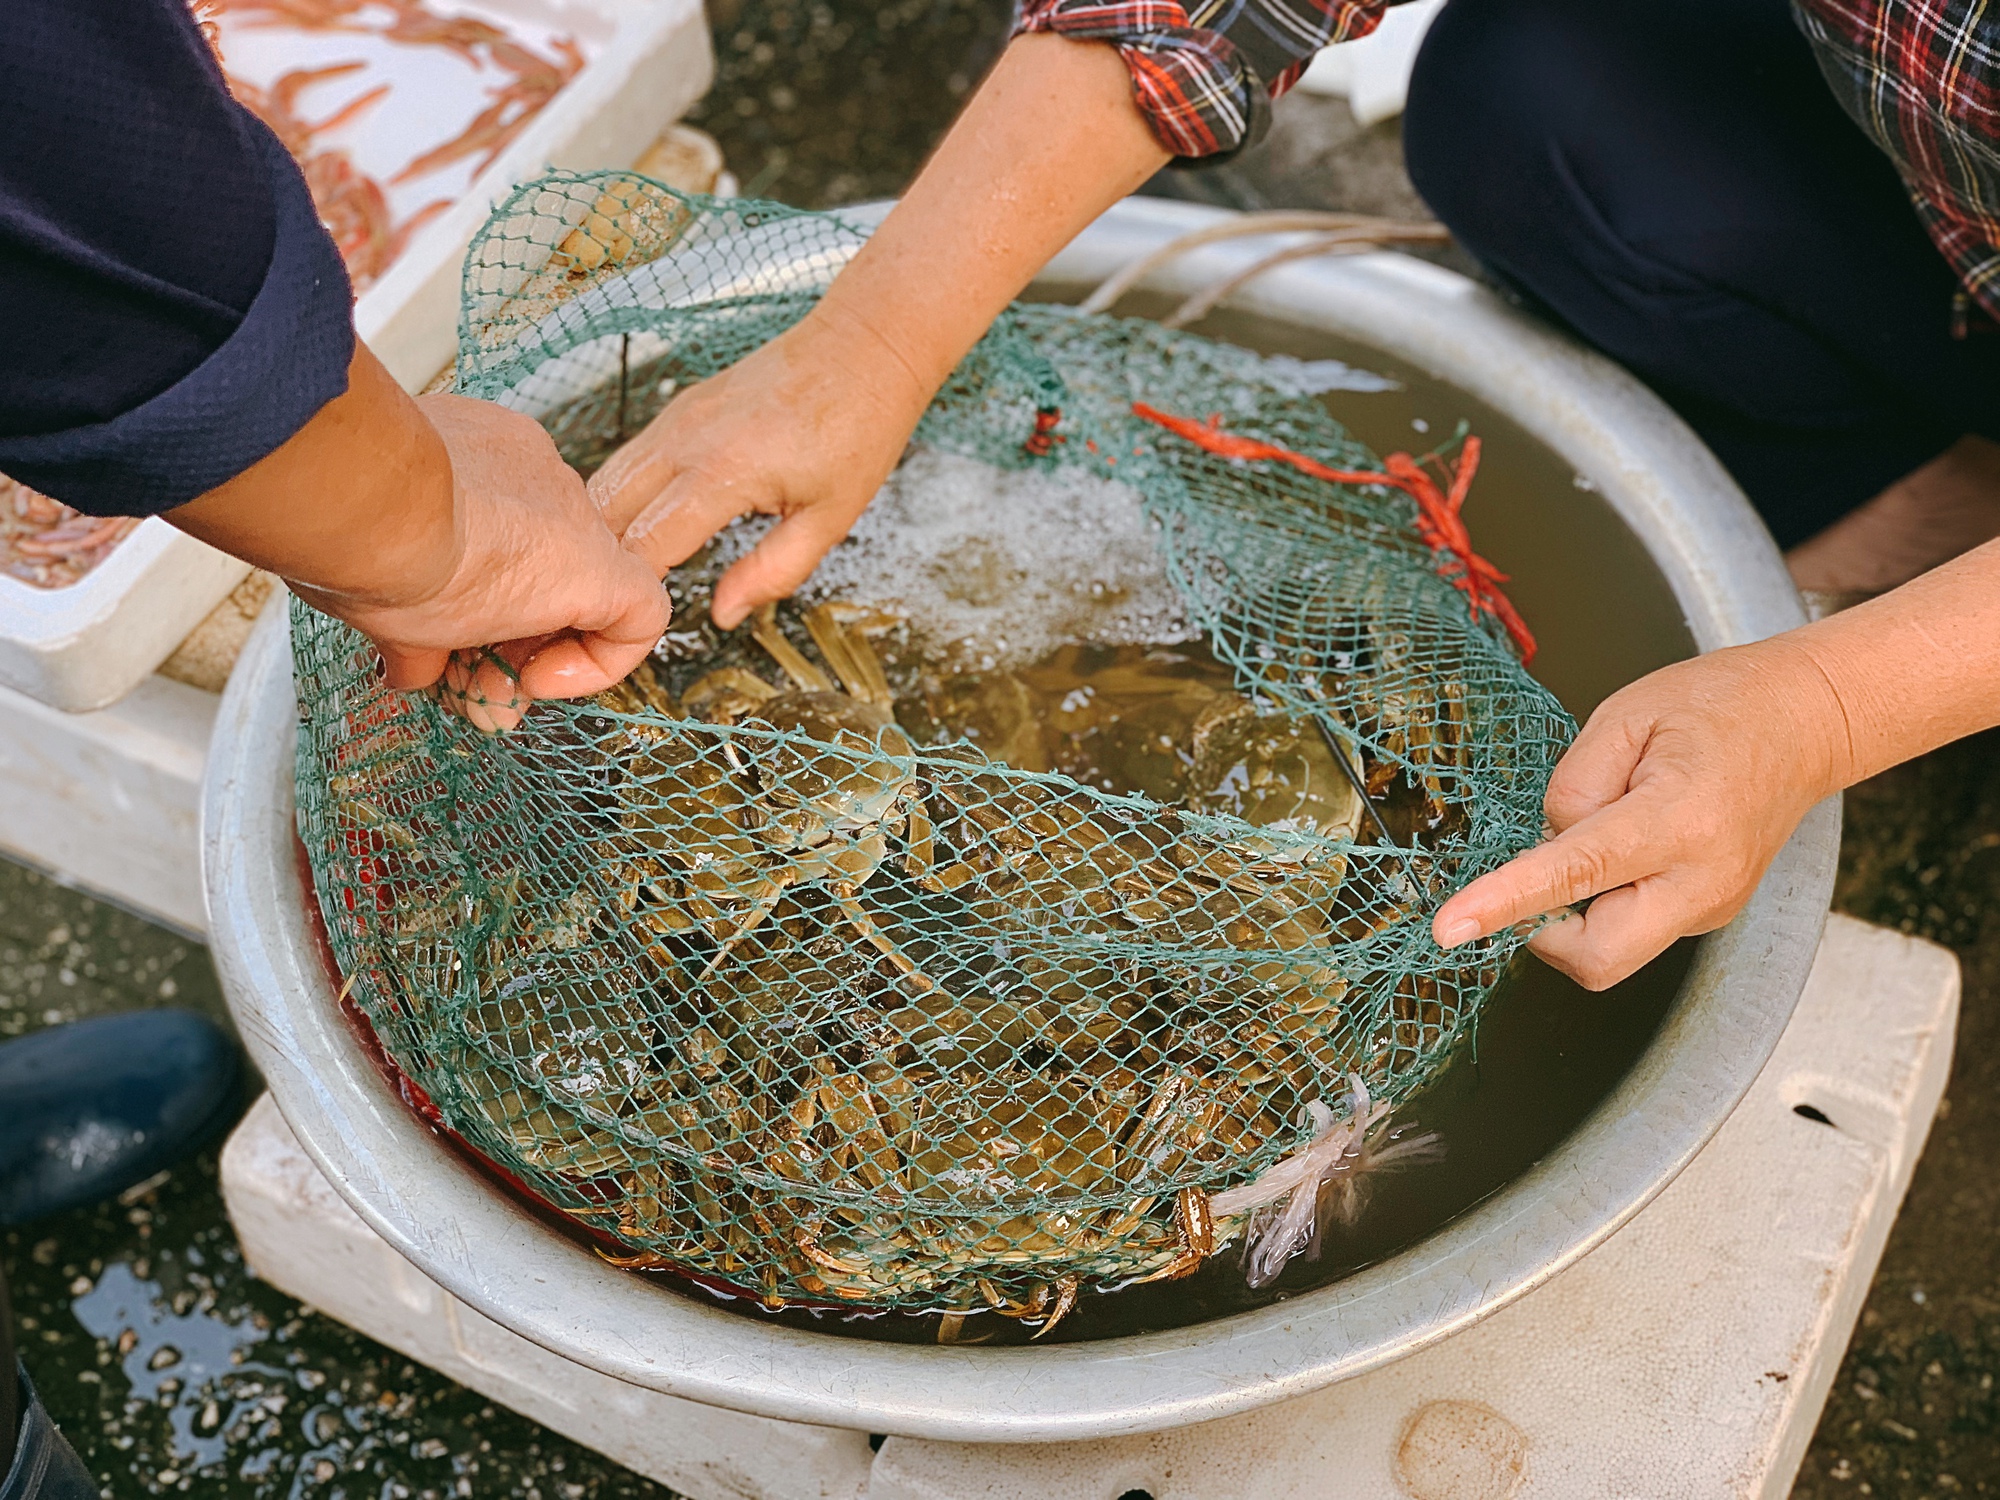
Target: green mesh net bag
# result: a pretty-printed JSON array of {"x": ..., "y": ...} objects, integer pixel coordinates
[{"x": 763, "y": 971}]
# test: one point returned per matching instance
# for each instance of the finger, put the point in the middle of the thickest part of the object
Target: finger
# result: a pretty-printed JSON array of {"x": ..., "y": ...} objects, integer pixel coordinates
[
  {"x": 776, "y": 566},
  {"x": 1609, "y": 849},
  {"x": 577, "y": 666},
  {"x": 518, "y": 652},
  {"x": 628, "y": 481},
  {"x": 482, "y": 691},
  {"x": 411, "y": 669},
  {"x": 1623, "y": 931},
  {"x": 590, "y": 661},
  {"x": 496, "y": 703},
  {"x": 1597, "y": 769},
  {"x": 681, "y": 519}
]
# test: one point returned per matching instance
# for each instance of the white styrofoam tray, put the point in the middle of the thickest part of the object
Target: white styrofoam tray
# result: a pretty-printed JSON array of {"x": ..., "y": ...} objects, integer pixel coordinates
[
  {"x": 654, "y": 64},
  {"x": 85, "y": 646},
  {"x": 1372, "y": 72},
  {"x": 110, "y": 801}
]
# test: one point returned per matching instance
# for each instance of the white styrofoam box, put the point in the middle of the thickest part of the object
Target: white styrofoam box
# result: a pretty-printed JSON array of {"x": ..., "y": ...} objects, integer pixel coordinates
[
  {"x": 110, "y": 801},
  {"x": 1373, "y": 72},
  {"x": 1690, "y": 1355},
  {"x": 655, "y": 63},
  {"x": 388, "y": 98},
  {"x": 84, "y": 647},
  {"x": 300, "y": 1235}
]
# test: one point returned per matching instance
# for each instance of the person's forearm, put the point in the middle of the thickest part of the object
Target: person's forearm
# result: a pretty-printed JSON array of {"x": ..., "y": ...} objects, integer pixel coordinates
[
  {"x": 1914, "y": 669},
  {"x": 357, "y": 505},
  {"x": 1051, "y": 140}
]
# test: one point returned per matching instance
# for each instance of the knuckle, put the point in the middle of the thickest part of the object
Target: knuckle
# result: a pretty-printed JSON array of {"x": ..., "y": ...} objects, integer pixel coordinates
[
  {"x": 1596, "y": 972},
  {"x": 1721, "y": 910},
  {"x": 1565, "y": 805},
  {"x": 1585, "y": 870}
]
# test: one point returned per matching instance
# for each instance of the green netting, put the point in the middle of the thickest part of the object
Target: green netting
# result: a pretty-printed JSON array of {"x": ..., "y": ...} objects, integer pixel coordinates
[{"x": 771, "y": 988}]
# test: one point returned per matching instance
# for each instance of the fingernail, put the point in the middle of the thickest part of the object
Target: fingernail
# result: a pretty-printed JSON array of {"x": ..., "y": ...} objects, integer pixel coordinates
[{"x": 1457, "y": 930}]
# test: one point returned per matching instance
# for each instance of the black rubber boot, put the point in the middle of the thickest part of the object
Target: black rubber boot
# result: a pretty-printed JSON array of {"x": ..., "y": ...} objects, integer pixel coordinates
[
  {"x": 10, "y": 1387},
  {"x": 45, "y": 1467},
  {"x": 96, "y": 1106}
]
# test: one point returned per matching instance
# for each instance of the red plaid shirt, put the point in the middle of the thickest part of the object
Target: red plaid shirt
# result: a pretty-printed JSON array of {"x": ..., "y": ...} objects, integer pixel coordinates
[
  {"x": 1205, "y": 73},
  {"x": 1922, "y": 77}
]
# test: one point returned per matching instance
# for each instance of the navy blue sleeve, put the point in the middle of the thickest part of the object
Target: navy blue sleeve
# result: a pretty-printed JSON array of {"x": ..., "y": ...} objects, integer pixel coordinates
[{"x": 172, "y": 308}]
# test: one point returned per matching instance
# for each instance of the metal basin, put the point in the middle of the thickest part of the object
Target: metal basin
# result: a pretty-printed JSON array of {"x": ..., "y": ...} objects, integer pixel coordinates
[{"x": 1734, "y": 1002}]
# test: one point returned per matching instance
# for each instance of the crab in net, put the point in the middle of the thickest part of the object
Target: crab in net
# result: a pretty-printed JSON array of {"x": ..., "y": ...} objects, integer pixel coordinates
[
  {"x": 804, "y": 1089},
  {"x": 837, "y": 1092},
  {"x": 814, "y": 787}
]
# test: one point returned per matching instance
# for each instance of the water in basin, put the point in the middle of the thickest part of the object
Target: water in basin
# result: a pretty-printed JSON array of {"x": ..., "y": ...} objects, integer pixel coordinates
[{"x": 1545, "y": 1051}]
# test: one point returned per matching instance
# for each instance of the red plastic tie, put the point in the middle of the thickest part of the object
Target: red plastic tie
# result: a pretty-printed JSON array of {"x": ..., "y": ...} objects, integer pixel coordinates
[
  {"x": 1042, "y": 441},
  {"x": 1439, "y": 521}
]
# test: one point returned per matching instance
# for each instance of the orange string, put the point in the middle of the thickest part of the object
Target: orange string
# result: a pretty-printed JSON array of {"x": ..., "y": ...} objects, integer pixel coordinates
[{"x": 1439, "y": 521}]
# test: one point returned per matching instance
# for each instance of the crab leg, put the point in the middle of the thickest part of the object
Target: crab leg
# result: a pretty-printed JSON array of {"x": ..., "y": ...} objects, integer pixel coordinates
[
  {"x": 726, "y": 694},
  {"x": 951, "y": 1328},
  {"x": 865, "y": 925},
  {"x": 1196, "y": 1223},
  {"x": 919, "y": 843},
  {"x": 1164, "y": 1098},
  {"x": 1000, "y": 1303},
  {"x": 764, "y": 631},
  {"x": 767, "y": 902},
  {"x": 644, "y": 1260},
  {"x": 1066, "y": 1289},
  {"x": 808, "y": 1243},
  {"x": 853, "y": 660}
]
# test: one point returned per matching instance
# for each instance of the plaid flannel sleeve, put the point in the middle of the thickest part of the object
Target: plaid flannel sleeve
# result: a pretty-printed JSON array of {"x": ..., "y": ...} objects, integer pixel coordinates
[
  {"x": 1205, "y": 73},
  {"x": 1924, "y": 82}
]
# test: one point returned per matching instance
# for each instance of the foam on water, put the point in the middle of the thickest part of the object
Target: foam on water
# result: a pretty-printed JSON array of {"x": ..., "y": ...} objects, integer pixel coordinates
[{"x": 994, "y": 567}]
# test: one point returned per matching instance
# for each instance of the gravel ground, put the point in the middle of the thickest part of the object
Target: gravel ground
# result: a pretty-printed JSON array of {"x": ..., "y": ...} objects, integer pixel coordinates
[{"x": 175, "y": 1370}]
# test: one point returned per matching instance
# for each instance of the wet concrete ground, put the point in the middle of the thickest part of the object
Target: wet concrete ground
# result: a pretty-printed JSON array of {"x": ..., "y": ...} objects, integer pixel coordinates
[
  {"x": 176, "y": 1371},
  {"x": 173, "y": 1369}
]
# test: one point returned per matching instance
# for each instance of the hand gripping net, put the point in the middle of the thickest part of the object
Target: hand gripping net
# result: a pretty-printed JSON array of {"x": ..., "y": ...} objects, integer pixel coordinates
[{"x": 770, "y": 993}]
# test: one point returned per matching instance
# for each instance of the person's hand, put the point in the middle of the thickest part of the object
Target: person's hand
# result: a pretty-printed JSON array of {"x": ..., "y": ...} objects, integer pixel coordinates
[
  {"x": 805, "y": 429},
  {"x": 1668, "y": 808},
  {"x": 535, "y": 575},
  {"x": 451, "y": 533}
]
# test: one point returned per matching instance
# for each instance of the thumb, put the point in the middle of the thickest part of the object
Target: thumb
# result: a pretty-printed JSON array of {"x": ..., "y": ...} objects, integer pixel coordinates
[
  {"x": 480, "y": 685},
  {"x": 777, "y": 565},
  {"x": 1624, "y": 930},
  {"x": 603, "y": 650},
  {"x": 1597, "y": 769}
]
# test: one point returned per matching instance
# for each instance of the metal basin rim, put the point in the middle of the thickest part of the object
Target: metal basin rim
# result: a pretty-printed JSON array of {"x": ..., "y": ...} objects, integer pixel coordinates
[{"x": 1735, "y": 1002}]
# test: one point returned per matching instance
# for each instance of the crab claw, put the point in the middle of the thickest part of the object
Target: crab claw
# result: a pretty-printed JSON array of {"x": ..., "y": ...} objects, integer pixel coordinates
[{"x": 1065, "y": 1300}]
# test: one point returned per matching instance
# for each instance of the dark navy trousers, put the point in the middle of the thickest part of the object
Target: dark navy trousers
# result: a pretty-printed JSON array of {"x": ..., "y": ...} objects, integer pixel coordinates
[{"x": 1673, "y": 181}]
